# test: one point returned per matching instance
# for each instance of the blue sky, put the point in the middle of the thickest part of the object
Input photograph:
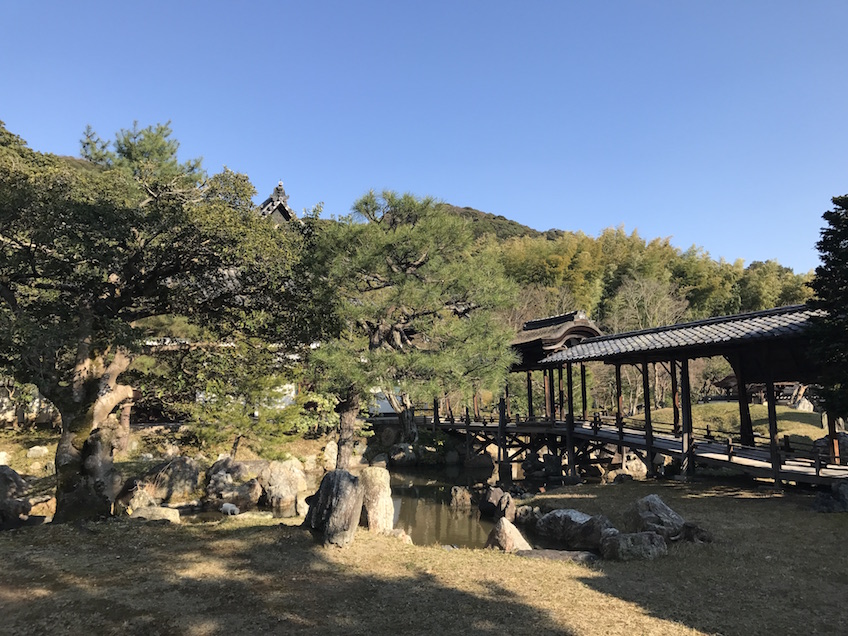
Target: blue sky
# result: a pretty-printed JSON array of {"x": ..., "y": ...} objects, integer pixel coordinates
[{"x": 720, "y": 124}]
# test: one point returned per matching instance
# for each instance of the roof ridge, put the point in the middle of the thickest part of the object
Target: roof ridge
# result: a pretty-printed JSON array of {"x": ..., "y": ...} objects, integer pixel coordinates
[{"x": 704, "y": 321}]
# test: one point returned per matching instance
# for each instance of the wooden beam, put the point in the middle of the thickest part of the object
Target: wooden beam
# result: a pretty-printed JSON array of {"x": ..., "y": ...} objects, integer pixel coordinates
[
  {"x": 686, "y": 399},
  {"x": 619, "y": 415},
  {"x": 675, "y": 397},
  {"x": 561, "y": 395},
  {"x": 746, "y": 426},
  {"x": 773, "y": 444},
  {"x": 584, "y": 402},
  {"x": 548, "y": 391},
  {"x": 530, "y": 395},
  {"x": 649, "y": 428},
  {"x": 570, "y": 380}
]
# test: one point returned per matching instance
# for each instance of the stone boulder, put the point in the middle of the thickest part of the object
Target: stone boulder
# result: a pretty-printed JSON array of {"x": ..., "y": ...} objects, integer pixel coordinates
[
  {"x": 156, "y": 513},
  {"x": 402, "y": 455},
  {"x": 618, "y": 546},
  {"x": 175, "y": 480},
  {"x": 651, "y": 514},
  {"x": 573, "y": 529},
  {"x": 335, "y": 510},
  {"x": 506, "y": 508},
  {"x": 573, "y": 556},
  {"x": 528, "y": 515},
  {"x": 822, "y": 446},
  {"x": 380, "y": 460},
  {"x": 429, "y": 456},
  {"x": 14, "y": 503},
  {"x": 633, "y": 466},
  {"x": 505, "y": 536},
  {"x": 378, "y": 511},
  {"x": 281, "y": 482},
  {"x": 37, "y": 452},
  {"x": 834, "y": 501},
  {"x": 490, "y": 500},
  {"x": 330, "y": 455},
  {"x": 226, "y": 484},
  {"x": 804, "y": 405},
  {"x": 461, "y": 498}
]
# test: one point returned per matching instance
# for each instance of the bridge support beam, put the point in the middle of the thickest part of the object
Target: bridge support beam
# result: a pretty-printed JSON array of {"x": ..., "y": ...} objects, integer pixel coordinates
[{"x": 687, "y": 463}]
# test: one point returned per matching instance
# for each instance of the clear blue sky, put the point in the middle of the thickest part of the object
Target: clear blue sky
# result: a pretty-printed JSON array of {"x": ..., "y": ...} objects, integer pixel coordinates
[{"x": 722, "y": 124}]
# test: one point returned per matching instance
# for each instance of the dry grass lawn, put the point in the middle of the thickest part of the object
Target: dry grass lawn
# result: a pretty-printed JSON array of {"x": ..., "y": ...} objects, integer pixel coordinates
[{"x": 776, "y": 567}]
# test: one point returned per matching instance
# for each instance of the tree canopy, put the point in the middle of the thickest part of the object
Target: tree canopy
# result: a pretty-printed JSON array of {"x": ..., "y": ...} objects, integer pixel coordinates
[
  {"x": 90, "y": 248},
  {"x": 411, "y": 301}
]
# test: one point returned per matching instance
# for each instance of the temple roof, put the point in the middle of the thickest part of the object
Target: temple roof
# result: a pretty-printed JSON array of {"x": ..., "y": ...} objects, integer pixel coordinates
[
  {"x": 770, "y": 342},
  {"x": 541, "y": 337}
]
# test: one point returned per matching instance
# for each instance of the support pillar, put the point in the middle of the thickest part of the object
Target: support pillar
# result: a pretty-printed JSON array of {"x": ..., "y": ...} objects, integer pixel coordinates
[
  {"x": 529, "y": 395},
  {"x": 773, "y": 445},
  {"x": 583, "y": 392},
  {"x": 675, "y": 398},
  {"x": 687, "y": 463},
  {"x": 619, "y": 415},
  {"x": 746, "y": 427},
  {"x": 569, "y": 426},
  {"x": 561, "y": 395},
  {"x": 504, "y": 467},
  {"x": 649, "y": 429}
]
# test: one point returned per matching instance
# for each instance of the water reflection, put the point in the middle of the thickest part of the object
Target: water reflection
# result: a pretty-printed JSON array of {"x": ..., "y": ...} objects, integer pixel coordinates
[{"x": 422, "y": 510}]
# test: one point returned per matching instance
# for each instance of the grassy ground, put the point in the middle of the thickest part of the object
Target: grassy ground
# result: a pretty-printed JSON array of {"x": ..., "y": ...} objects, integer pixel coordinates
[{"x": 774, "y": 568}]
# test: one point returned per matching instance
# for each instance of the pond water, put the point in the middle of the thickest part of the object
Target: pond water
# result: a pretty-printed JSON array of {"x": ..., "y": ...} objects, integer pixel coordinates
[{"x": 422, "y": 509}]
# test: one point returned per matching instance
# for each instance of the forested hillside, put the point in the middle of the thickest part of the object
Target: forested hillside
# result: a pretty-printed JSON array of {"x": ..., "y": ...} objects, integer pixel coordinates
[{"x": 625, "y": 281}]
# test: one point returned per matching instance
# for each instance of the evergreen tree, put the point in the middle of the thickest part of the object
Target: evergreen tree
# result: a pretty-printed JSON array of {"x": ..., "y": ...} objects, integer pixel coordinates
[
  {"x": 409, "y": 300},
  {"x": 830, "y": 329}
]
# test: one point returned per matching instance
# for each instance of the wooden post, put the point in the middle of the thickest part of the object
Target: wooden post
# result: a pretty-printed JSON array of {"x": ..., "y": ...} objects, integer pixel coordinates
[
  {"x": 834, "y": 440},
  {"x": 548, "y": 388},
  {"x": 435, "y": 414},
  {"x": 686, "y": 395},
  {"x": 746, "y": 427},
  {"x": 506, "y": 395},
  {"x": 561, "y": 395},
  {"x": 619, "y": 415},
  {"x": 503, "y": 465},
  {"x": 529, "y": 395},
  {"x": 774, "y": 447},
  {"x": 649, "y": 429},
  {"x": 675, "y": 398},
  {"x": 570, "y": 380},
  {"x": 584, "y": 401},
  {"x": 552, "y": 415}
]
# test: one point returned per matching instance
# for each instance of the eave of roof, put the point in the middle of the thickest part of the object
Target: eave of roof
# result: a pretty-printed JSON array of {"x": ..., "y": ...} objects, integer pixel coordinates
[{"x": 712, "y": 336}]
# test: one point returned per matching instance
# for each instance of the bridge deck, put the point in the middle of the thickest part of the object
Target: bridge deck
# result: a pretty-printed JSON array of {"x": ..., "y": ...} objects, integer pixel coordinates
[{"x": 755, "y": 461}]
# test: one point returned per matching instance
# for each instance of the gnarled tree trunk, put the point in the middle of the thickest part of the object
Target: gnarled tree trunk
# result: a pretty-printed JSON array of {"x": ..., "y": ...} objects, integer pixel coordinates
[
  {"x": 348, "y": 410},
  {"x": 86, "y": 481}
]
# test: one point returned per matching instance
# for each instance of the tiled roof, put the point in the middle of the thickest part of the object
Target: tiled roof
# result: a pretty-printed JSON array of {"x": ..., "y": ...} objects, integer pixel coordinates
[{"x": 783, "y": 322}]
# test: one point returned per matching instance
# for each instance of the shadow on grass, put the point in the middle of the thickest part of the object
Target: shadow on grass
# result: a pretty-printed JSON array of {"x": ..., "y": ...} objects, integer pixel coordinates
[{"x": 133, "y": 578}]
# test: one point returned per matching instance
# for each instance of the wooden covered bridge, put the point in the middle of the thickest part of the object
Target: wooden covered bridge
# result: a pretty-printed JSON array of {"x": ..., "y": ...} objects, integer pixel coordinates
[{"x": 765, "y": 347}]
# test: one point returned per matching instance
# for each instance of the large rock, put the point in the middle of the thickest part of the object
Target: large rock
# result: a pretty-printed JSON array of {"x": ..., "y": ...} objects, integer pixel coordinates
[
  {"x": 506, "y": 537},
  {"x": 175, "y": 480},
  {"x": 804, "y": 405},
  {"x": 822, "y": 446},
  {"x": 633, "y": 467},
  {"x": 618, "y": 546},
  {"x": 281, "y": 482},
  {"x": 14, "y": 503},
  {"x": 230, "y": 482},
  {"x": 330, "y": 455},
  {"x": 402, "y": 455},
  {"x": 461, "y": 498},
  {"x": 37, "y": 452},
  {"x": 574, "y": 556},
  {"x": 156, "y": 513},
  {"x": 506, "y": 508},
  {"x": 528, "y": 515},
  {"x": 335, "y": 510},
  {"x": 651, "y": 514},
  {"x": 573, "y": 529},
  {"x": 378, "y": 511},
  {"x": 834, "y": 501},
  {"x": 489, "y": 503},
  {"x": 429, "y": 456}
]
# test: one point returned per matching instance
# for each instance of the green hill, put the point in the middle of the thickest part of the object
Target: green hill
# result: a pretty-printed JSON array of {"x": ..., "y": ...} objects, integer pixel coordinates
[{"x": 502, "y": 227}]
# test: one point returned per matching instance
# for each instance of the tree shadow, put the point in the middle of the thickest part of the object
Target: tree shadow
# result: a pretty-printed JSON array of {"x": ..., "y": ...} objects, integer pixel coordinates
[{"x": 146, "y": 578}]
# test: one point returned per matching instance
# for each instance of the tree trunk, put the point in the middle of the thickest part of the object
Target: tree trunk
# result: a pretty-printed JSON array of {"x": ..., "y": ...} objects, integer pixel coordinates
[
  {"x": 348, "y": 409},
  {"x": 406, "y": 415},
  {"x": 86, "y": 481},
  {"x": 334, "y": 511}
]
